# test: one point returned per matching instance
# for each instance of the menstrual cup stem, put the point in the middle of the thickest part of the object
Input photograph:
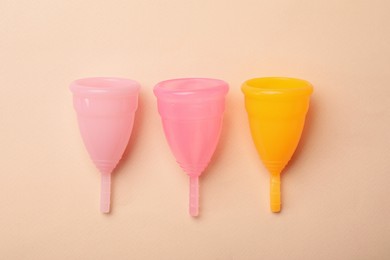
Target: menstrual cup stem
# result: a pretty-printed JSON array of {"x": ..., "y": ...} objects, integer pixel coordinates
[
  {"x": 105, "y": 192},
  {"x": 275, "y": 193},
  {"x": 194, "y": 196}
]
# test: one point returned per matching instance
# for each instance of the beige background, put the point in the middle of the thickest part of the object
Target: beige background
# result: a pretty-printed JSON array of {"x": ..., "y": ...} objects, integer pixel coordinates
[{"x": 335, "y": 192}]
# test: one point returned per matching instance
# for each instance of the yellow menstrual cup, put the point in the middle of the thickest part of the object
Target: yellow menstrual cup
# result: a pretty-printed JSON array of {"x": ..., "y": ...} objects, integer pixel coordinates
[{"x": 276, "y": 110}]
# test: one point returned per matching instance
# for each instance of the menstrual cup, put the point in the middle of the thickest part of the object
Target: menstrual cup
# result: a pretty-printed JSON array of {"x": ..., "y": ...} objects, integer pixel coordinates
[
  {"x": 276, "y": 110},
  {"x": 191, "y": 111},
  {"x": 105, "y": 110}
]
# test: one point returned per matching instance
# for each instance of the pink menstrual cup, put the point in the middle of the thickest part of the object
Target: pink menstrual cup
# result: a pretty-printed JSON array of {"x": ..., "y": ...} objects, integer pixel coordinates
[
  {"x": 105, "y": 110},
  {"x": 192, "y": 111}
]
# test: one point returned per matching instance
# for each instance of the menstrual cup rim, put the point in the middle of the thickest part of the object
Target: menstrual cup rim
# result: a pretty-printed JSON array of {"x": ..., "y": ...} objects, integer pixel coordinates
[
  {"x": 304, "y": 87},
  {"x": 221, "y": 88},
  {"x": 92, "y": 85}
]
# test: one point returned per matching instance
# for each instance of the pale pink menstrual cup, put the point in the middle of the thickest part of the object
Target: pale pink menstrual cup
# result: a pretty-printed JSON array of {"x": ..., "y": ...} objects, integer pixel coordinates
[
  {"x": 192, "y": 111},
  {"x": 105, "y": 110}
]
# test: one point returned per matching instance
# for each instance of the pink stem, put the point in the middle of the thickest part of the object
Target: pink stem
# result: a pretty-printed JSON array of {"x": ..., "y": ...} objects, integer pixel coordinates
[
  {"x": 194, "y": 196},
  {"x": 105, "y": 192}
]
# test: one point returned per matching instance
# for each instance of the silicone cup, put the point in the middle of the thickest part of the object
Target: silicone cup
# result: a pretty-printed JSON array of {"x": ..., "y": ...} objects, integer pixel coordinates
[
  {"x": 105, "y": 111},
  {"x": 276, "y": 110},
  {"x": 192, "y": 111}
]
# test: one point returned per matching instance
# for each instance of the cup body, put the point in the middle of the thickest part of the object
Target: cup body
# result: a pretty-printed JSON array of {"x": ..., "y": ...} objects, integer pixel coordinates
[
  {"x": 276, "y": 110},
  {"x": 191, "y": 110},
  {"x": 105, "y": 111}
]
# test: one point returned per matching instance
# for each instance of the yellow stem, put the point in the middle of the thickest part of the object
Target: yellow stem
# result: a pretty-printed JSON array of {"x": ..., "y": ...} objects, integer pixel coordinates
[{"x": 275, "y": 193}]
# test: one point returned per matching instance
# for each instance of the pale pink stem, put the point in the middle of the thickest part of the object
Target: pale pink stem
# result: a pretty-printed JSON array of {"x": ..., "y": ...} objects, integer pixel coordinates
[
  {"x": 194, "y": 196},
  {"x": 105, "y": 192}
]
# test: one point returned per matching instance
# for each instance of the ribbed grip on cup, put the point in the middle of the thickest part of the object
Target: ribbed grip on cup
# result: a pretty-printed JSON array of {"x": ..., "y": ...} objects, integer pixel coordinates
[
  {"x": 105, "y": 167},
  {"x": 193, "y": 170},
  {"x": 274, "y": 167}
]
